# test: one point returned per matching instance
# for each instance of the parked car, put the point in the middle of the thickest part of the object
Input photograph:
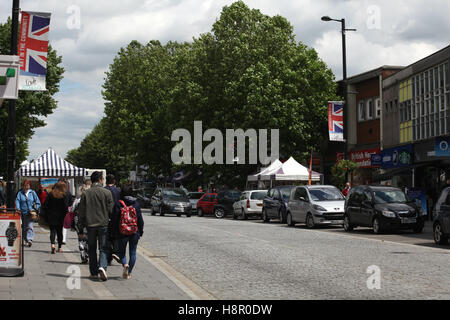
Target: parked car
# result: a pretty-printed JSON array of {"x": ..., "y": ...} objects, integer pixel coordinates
[
  {"x": 205, "y": 204},
  {"x": 171, "y": 200},
  {"x": 382, "y": 208},
  {"x": 224, "y": 202},
  {"x": 315, "y": 205},
  {"x": 193, "y": 199},
  {"x": 250, "y": 203},
  {"x": 441, "y": 218},
  {"x": 275, "y": 203},
  {"x": 143, "y": 198}
]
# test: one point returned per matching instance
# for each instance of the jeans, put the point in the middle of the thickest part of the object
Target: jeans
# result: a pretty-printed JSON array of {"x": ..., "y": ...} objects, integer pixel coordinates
[
  {"x": 28, "y": 227},
  {"x": 99, "y": 234},
  {"x": 133, "y": 242}
]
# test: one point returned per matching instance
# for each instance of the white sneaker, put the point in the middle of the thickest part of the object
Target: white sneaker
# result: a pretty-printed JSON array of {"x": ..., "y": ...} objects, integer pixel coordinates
[
  {"x": 116, "y": 258},
  {"x": 125, "y": 272},
  {"x": 102, "y": 274}
]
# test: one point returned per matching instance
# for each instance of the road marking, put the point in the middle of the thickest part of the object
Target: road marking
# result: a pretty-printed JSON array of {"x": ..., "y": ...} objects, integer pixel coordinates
[{"x": 190, "y": 288}]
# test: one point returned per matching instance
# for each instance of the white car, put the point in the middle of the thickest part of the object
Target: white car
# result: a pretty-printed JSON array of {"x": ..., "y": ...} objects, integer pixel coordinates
[{"x": 249, "y": 204}]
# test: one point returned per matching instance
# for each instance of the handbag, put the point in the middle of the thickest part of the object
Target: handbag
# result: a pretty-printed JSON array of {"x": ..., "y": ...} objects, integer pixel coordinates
[{"x": 68, "y": 220}]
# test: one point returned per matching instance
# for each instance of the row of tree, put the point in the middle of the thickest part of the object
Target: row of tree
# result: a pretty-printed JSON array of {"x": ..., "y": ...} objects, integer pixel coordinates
[{"x": 247, "y": 72}]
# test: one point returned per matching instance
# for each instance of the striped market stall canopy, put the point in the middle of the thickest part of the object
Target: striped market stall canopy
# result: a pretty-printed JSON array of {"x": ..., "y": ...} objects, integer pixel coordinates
[{"x": 51, "y": 165}]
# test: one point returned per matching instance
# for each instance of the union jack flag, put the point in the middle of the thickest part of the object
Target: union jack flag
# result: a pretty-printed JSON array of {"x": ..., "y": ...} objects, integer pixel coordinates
[
  {"x": 33, "y": 43},
  {"x": 336, "y": 121}
]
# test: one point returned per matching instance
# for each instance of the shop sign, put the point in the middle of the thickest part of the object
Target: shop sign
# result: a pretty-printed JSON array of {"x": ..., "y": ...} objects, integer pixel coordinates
[
  {"x": 375, "y": 160},
  {"x": 442, "y": 146},
  {"x": 397, "y": 157},
  {"x": 363, "y": 157}
]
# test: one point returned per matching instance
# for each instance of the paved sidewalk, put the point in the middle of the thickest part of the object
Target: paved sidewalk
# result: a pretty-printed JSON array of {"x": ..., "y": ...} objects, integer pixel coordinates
[{"x": 54, "y": 276}]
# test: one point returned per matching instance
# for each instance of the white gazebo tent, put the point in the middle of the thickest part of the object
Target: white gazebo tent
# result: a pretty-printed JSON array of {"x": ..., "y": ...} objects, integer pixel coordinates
[
  {"x": 290, "y": 170},
  {"x": 49, "y": 165}
]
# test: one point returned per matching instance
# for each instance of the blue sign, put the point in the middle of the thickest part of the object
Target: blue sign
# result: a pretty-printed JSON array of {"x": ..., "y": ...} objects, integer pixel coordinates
[
  {"x": 397, "y": 157},
  {"x": 442, "y": 146},
  {"x": 375, "y": 160}
]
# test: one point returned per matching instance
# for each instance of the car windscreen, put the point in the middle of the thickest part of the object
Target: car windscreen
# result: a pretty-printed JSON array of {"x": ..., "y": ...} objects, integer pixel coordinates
[
  {"x": 235, "y": 195},
  {"x": 390, "y": 196},
  {"x": 259, "y": 195},
  {"x": 174, "y": 194},
  {"x": 325, "y": 194},
  {"x": 195, "y": 195},
  {"x": 285, "y": 192}
]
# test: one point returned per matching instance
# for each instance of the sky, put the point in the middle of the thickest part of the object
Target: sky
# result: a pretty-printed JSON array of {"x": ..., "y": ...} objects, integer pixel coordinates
[{"x": 88, "y": 34}]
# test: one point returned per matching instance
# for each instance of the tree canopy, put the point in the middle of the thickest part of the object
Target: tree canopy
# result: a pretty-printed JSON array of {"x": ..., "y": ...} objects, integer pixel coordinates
[{"x": 248, "y": 72}]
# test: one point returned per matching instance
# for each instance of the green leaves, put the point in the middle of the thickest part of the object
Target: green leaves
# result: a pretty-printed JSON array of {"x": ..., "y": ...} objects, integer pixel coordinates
[{"x": 248, "y": 72}]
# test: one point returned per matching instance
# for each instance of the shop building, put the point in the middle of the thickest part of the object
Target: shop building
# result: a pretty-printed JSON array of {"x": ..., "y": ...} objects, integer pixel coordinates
[
  {"x": 415, "y": 125},
  {"x": 364, "y": 120}
]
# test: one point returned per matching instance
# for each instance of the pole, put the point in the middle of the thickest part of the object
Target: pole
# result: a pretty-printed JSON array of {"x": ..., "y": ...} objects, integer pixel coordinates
[
  {"x": 344, "y": 82},
  {"x": 11, "y": 153}
]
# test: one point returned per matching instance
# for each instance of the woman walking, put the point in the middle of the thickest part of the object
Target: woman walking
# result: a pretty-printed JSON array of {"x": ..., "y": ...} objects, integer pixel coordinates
[
  {"x": 26, "y": 202},
  {"x": 130, "y": 240},
  {"x": 55, "y": 210}
]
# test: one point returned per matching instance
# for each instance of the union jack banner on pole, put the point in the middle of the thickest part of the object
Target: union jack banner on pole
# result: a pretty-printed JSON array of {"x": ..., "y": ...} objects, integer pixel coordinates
[
  {"x": 336, "y": 120},
  {"x": 33, "y": 45}
]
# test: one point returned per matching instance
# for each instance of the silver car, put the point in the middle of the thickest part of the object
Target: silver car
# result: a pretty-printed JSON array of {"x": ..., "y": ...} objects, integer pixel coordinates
[{"x": 315, "y": 205}]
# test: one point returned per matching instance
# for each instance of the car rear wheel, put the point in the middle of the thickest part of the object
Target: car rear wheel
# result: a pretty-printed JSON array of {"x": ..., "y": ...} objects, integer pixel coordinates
[
  {"x": 290, "y": 222},
  {"x": 377, "y": 226},
  {"x": 310, "y": 221},
  {"x": 438, "y": 235},
  {"x": 219, "y": 213},
  {"x": 265, "y": 218},
  {"x": 243, "y": 215},
  {"x": 347, "y": 225},
  {"x": 199, "y": 212}
]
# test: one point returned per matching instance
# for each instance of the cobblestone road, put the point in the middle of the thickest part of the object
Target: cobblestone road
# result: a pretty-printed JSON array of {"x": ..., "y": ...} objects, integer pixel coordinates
[{"x": 252, "y": 260}]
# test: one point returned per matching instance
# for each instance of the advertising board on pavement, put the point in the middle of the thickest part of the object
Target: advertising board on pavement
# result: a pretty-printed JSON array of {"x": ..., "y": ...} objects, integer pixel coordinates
[{"x": 10, "y": 242}]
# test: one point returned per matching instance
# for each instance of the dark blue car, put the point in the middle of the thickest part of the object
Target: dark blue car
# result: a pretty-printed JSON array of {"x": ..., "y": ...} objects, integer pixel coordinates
[
  {"x": 441, "y": 221},
  {"x": 275, "y": 203}
]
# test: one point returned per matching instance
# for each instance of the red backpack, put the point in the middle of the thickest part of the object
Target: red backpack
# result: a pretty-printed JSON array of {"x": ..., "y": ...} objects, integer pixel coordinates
[{"x": 128, "y": 220}]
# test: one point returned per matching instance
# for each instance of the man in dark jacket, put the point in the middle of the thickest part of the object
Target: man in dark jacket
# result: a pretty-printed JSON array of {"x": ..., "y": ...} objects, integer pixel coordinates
[
  {"x": 94, "y": 211},
  {"x": 114, "y": 249}
]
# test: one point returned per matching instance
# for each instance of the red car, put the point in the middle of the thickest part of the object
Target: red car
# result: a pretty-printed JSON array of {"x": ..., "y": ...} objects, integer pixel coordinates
[{"x": 205, "y": 204}]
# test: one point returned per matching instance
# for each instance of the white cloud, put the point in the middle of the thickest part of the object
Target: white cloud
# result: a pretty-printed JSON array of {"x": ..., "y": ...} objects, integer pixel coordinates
[{"x": 389, "y": 32}]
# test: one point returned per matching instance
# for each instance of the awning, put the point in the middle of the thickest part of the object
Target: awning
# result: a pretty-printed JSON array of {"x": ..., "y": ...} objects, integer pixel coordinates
[{"x": 51, "y": 165}]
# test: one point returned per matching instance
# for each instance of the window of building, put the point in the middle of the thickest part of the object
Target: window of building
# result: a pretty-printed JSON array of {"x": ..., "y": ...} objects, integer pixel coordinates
[
  {"x": 369, "y": 113},
  {"x": 361, "y": 111},
  {"x": 377, "y": 108}
]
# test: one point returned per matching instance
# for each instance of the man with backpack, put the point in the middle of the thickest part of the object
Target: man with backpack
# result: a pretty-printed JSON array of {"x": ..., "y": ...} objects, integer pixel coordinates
[
  {"x": 94, "y": 211},
  {"x": 128, "y": 227}
]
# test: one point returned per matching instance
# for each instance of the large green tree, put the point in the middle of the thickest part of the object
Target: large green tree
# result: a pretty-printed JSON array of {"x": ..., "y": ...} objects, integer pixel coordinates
[
  {"x": 31, "y": 105},
  {"x": 249, "y": 72}
]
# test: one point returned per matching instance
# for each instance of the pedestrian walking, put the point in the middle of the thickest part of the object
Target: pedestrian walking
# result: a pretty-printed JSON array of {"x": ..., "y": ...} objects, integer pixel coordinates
[
  {"x": 346, "y": 189},
  {"x": 113, "y": 240},
  {"x": 42, "y": 193},
  {"x": 54, "y": 210},
  {"x": 94, "y": 210},
  {"x": 79, "y": 228},
  {"x": 27, "y": 201},
  {"x": 125, "y": 238},
  {"x": 68, "y": 198}
]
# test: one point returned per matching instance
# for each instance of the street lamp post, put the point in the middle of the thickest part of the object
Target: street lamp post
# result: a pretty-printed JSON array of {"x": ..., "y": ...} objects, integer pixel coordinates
[{"x": 344, "y": 82}]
